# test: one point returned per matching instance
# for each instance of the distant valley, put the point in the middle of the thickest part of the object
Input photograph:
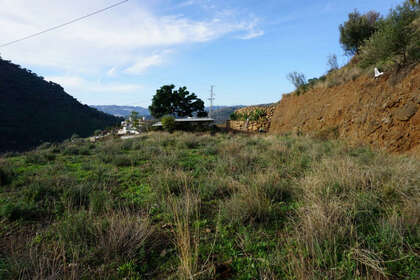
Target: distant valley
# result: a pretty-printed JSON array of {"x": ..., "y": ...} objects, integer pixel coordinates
[
  {"x": 220, "y": 113},
  {"x": 121, "y": 111}
]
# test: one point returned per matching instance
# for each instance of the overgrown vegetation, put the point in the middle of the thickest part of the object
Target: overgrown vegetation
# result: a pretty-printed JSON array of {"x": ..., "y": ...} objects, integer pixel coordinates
[
  {"x": 196, "y": 206},
  {"x": 254, "y": 115}
]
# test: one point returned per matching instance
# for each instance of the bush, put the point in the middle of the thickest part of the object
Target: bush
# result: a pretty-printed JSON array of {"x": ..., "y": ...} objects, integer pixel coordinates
[
  {"x": 168, "y": 123},
  {"x": 122, "y": 161},
  {"x": 234, "y": 116},
  {"x": 254, "y": 115},
  {"x": 35, "y": 158},
  {"x": 357, "y": 29},
  {"x": 332, "y": 63},
  {"x": 20, "y": 210},
  {"x": 44, "y": 146},
  {"x": 297, "y": 79},
  {"x": 71, "y": 150},
  {"x": 78, "y": 196},
  {"x": 6, "y": 174},
  {"x": 257, "y": 114}
]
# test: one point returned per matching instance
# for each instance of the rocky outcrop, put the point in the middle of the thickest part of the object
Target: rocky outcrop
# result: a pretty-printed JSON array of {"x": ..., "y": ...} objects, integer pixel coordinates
[{"x": 377, "y": 112}]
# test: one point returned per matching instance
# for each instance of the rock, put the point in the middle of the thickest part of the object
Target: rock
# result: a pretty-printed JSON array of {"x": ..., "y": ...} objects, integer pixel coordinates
[
  {"x": 416, "y": 97},
  {"x": 386, "y": 120},
  {"x": 406, "y": 112},
  {"x": 373, "y": 126}
]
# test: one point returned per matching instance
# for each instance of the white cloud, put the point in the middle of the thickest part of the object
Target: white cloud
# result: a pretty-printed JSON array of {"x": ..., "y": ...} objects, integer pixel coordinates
[
  {"x": 111, "y": 39},
  {"x": 144, "y": 64},
  {"x": 252, "y": 34},
  {"x": 253, "y": 31},
  {"x": 127, "y": 40},
  {"x": 111, "y": 72}
]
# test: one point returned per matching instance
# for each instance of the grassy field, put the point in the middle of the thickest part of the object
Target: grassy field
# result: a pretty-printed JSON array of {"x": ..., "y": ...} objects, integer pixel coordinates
[{"x": 197, "y": 206}]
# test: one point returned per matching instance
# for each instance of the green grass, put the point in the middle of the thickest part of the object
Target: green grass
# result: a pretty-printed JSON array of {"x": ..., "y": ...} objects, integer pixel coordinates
[{"x": 201, "y": 206}]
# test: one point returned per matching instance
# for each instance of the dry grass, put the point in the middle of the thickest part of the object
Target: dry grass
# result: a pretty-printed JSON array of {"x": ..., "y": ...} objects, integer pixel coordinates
[
  {"x": 341, "y": 198},
  {"x": 340, "y": 76},
  {"x": 218, "y": 207},
  {"x": 115, "y": 237},
  {"x": 185, "y": 211}
]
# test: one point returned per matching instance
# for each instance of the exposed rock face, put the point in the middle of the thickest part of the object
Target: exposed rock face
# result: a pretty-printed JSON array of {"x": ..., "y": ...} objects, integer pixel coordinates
[
  {"x": 406, "y": 112},
  {"x": 364, "y": 111}
]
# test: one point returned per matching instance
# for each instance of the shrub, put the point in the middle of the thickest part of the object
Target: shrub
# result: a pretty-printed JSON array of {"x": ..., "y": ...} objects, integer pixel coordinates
[
  {"x": 257, "y": 114},
  {"x": 332, "y": 62},
  {"x": 19, "y": 210},
  {"x": 234, "y": 116},
  {"x": 99, "y": 201},
  {"x": 77, "y": 196},
  {"x": 35, "y": 158},
  {"x": 168, "y": 123},
  {"x": 44, "y": 146},
  {"x": 254, "y": 115},
  {"x": 122, "y": 161},
  {"x": 71, "y": 150},
  {"x": 297, "y": 79},
  {"x": 75, "y": 137},
  {"x": 6, "y": 174},
  {"x": 42, "y": 192},
  {"x": 127, "y": 145},
  {"x": 357, "y": 29}
]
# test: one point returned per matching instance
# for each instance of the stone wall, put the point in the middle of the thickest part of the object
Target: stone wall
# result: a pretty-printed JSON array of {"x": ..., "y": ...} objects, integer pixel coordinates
[{"x": 262, "y": 125}]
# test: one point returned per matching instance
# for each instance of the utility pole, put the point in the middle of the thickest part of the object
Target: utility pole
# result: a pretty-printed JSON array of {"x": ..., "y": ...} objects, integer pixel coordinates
[{"x": 211, "y": 100}]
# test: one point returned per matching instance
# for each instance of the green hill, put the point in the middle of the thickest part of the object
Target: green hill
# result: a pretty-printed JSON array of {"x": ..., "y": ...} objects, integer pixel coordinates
[{"x": 33, "y": 111}]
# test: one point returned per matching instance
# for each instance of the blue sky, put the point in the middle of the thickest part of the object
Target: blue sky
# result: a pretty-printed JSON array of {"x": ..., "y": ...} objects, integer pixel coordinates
[{"x": 243, "y": 47}]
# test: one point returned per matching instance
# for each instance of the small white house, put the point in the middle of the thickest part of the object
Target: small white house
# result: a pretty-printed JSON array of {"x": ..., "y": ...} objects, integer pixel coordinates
[{"x": 127, "y": 128}]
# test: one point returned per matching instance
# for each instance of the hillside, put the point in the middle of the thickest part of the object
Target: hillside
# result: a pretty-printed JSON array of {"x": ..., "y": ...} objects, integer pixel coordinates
[
  {"x": 383, "y": 112},
  {"x": 121, "y": 111},
  {"x": 220, "y": 113},
  {"x": 33, "y": 111},
  {"x": 204, "y": 206}
]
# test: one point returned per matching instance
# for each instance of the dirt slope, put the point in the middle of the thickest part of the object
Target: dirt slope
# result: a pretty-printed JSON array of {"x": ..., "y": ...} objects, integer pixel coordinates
[{"x": 383, "y": 112}]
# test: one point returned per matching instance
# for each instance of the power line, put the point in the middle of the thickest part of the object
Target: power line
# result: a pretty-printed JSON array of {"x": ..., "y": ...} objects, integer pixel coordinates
[{"x": 64, "y": 24}]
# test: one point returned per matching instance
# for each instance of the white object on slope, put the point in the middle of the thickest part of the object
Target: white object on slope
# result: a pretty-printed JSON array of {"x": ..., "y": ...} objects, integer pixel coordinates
[{"x": 377, "y": 73}]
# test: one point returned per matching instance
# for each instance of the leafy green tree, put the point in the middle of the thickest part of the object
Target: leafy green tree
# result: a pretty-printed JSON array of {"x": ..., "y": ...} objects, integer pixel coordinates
[
  {"x": 134, "y": 116},
  {"x": 357, "y": 29},
  {"x": 398, "y": 39},
  {"x": 414, "y": 2},
  {"x": 181, "y": 103}
]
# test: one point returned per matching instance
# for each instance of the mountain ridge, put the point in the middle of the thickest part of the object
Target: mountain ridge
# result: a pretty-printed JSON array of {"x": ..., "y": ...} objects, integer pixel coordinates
[{"x": 33, "y": 111}]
